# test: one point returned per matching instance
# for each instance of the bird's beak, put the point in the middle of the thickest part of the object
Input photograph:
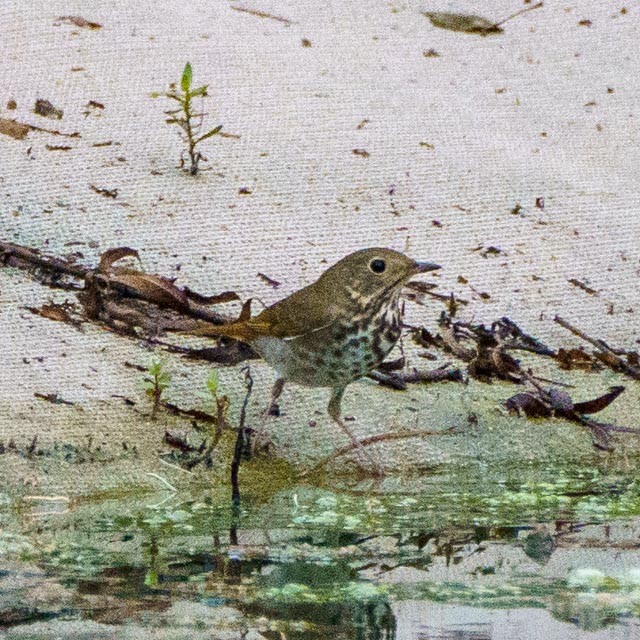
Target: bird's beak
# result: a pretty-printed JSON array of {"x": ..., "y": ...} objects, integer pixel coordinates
[{"x": 423, "y": 267}]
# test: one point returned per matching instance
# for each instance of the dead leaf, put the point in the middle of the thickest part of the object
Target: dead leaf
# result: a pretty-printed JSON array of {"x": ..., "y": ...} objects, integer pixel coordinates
[
  {"x": 156, "y": 289},
  {"x": 463, "y": 23},
  {"x": 107, "y": 193},
  {"x": 80, "y": 22},
  {"x": 472, "y": 24},
  {"x": 14, "y": 129},
  {"x": 225, "y": 296},
  {"x": 598, "y": 404},
  {"x": 111, "y": 256},
  {"x": 46, "y": 109},
  {"x": 574, "y": 359},
  {"x": 529, "y": 404},
  {"x": 52, "y": 311}
]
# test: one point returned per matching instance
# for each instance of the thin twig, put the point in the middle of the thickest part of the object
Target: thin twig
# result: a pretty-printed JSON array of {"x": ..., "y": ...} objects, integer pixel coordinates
[
  {"x": 612, "y": 355},
  {"x": 381, "y": 437},
  {"x": 518, "y": 13},
  {"x": 237, "y": 453},
  {"x": 261, "y": 14}
]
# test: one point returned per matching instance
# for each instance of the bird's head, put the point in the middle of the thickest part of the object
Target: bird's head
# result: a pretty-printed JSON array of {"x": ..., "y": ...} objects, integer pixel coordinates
[{"x": 373, "y": 274}]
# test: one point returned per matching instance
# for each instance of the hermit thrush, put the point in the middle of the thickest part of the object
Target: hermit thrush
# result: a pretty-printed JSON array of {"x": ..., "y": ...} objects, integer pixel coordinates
[{"x": 335, "y": 330}]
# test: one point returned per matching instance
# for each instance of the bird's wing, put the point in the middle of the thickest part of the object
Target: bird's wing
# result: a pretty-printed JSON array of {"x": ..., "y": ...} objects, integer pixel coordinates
[{"x": 301, "y": 313}]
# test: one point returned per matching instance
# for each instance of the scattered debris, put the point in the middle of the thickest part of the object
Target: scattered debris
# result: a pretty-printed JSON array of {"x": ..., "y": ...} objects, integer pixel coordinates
[
  {"x": 127, "y": 299},
  {"x": 270, "y": 281},
  {"x": 556, "y": 402},
  {"x": 79, "y": 22},
  {"x": 54, "y": 398},
  {"x": 430, "y": 53},
  {"x": 244, "y": 191},
  {"x": 46, "y": 109},
  {"x": 306, "y": 43},
  {"x": 262, "y": 14},
  {"x": 583, "y": 286},
  {"x": 472, "y": 24},
  {"x": 540, "y": 203},
  {"x": 12, "y": 105},
  {"x": 361, "y": 152},
  {"x": 617, "y": 359},
  {"x": 107, "y": 193},
  {"x": 58, "y": 147},
  {"x": 14, "y": 129},
  {"x": 363, "y": 123}
]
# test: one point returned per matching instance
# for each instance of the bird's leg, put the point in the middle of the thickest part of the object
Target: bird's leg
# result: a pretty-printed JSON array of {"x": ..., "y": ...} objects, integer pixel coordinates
[
  {"x": 334, "y": 409},
  {"x": 273, "y": 409},
  {"x": 261, "y": 441}
]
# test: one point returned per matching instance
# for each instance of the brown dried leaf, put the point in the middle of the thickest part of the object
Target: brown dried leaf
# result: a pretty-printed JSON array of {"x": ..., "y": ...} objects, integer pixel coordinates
[
  {"x": 110, "y": 256},
  {"x": 153, "y": 288},
  {"x": 560, "y": 400},
  {"x": 225, "y": 296},
  {"x": 51, "y": 311},
  {"x": 462, "y": 22},
  {"x": 598, "y": 404},
  {"x": 14, "y": 129},
  {"x": 574, "y": 359},
  {"x": 529, "y": 404},
  {"x": 80, "y": 22}
]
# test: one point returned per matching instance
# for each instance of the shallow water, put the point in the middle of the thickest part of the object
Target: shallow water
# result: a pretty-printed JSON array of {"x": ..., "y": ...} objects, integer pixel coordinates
[{"x": 472, "y": 553}]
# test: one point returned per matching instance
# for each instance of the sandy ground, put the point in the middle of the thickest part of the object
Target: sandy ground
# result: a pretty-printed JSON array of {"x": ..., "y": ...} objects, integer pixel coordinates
[{"x": 546, "y": 112}]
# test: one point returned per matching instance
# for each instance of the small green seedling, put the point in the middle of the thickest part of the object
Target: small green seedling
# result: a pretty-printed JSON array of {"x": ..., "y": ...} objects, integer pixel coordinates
[
  {"x": 221, "y": 402},
  {"x": 189, "y": 121},
  {"x": 156, "y": 381}
]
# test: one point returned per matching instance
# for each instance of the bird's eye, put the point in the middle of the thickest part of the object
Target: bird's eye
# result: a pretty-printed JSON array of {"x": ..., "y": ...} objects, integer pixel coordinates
[{"x": 377, "y": 265}]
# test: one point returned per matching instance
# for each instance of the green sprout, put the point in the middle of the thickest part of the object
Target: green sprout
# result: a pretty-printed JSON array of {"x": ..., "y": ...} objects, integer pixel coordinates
[
  {"x": 186, "y": 118},
  {"x": 221, "y": 403},
  {"x": 155, "y": 382}
]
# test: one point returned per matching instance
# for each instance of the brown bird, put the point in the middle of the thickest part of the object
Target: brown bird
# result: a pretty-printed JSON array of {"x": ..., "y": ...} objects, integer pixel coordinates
[{"x": 333, "y": 331}]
